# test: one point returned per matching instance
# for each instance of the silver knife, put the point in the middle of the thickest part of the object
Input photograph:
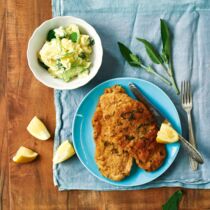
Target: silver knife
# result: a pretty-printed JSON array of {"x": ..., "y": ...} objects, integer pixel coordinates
[{"x": 194, "y": 153}]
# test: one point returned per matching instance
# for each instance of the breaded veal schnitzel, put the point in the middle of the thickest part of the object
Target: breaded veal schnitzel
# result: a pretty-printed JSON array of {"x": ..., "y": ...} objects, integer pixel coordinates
[{"x": 125, "y": 129}]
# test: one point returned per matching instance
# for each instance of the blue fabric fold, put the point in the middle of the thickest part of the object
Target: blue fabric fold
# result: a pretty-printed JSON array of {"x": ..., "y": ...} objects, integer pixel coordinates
[{"x": 124, "y": 21}]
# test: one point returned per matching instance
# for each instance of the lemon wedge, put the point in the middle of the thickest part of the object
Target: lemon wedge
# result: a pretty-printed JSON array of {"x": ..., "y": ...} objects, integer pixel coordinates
[
  {"x": 64, "y": 152},
  {"x": 167, "y": 134},
  {"x": 37, "y": 129},
  {"x": 24, "y": 155}
]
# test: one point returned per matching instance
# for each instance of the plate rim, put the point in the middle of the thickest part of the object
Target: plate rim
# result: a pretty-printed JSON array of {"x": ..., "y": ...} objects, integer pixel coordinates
[{"x": 106, "y": 180}]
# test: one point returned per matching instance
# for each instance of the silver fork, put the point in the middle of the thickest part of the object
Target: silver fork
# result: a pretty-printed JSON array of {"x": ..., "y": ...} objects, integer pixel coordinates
[{"x": 187, "y": 105}]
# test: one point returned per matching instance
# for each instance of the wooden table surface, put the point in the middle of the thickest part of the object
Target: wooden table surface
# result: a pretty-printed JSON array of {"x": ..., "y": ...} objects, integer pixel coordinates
[{"x": 30, "y": 186}]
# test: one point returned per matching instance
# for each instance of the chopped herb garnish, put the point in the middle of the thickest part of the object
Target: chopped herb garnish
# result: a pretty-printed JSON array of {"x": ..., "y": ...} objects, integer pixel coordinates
[
  {"x": 106, "y": 143},
  {"x": 74, "y": 65},
  {"x": 51, "y": 35},
  {"x": 114, "y": 151},
  {"x": 59, "y": 64},
  {"x": 132, "y": 116},
  {"x": 139, "y": 126},
  {"x": 129, "y": 137},
  {"x": 91, "y": 41},
  {"x": 67, "y": 54},
  {"x": 141, "y": 110},
  {"x": 129, "y": 115},
  {"x": 73, "y": 37},
  {"x": 42, "y": 64},
  {"x": 126, "y": 115},
  {"x": 82, "y": 55}
]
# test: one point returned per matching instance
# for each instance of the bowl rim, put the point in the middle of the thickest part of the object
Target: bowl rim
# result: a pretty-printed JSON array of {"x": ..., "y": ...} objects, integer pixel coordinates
[{"x": 68, "y": 86}]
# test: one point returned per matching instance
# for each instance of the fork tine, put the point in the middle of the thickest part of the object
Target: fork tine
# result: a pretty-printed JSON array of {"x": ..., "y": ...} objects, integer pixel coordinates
[
  {"x": 190, "y": 94},
  {"x": 185, "y": 91},
  {"x": 182, "y": 91},
  {"x": 187, "y": 105},
  {"x": 186, "y": 94}
]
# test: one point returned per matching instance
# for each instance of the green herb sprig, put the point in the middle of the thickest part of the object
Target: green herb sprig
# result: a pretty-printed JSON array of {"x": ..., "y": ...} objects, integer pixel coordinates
[
  {"x": 173, "y": 201},
  {"x": 164, "y": 59},
  {"x": 135, "y": 61}
]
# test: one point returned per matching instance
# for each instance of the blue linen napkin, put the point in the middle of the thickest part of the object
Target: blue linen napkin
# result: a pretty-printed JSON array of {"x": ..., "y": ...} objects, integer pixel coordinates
[{"x": 124, "y": 21}]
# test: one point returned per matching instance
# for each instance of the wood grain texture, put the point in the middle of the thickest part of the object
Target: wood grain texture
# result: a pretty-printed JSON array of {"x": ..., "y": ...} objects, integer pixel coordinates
[
  {"x": 30, "y": 186},
  {"x": 4, "y": 172}
]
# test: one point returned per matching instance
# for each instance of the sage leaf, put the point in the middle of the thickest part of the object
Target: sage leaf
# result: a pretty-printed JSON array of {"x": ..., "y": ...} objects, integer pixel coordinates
[
  {"x": 166, "y": 40},
  {"x": 50, "y": 35},
  {"x": 151, "y": 51},
  {"x": 135, "y": 60},
  {"x": 173, "y": 201},
  {"x": 131, "y": 58},
  {"x": 166, "y": 52}
]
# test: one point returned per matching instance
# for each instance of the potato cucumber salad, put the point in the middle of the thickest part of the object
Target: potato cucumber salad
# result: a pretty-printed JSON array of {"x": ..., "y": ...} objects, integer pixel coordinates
[{"x": 66, "y": 53}]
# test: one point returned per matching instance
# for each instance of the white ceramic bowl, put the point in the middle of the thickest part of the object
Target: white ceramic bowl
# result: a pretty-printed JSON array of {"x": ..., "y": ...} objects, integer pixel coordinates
[{"x": 37, "y": 40}]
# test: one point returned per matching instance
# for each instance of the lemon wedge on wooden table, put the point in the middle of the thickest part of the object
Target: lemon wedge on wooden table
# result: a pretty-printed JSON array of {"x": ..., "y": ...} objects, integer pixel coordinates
[
  {"x": 63, "y": 152},
  {"x": 167, "y": 134},
  {"x": 37, "y": 129},
  {"x": 24, "y": 155}
]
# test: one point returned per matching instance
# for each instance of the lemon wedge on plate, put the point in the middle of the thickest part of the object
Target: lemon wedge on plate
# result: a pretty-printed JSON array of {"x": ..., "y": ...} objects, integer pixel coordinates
[
  {"x": 167, "y": 134},
  {"x": 37, "y": 129},
  {"x": 64, "y": 152},
  {"x": 24, "y": 155}
]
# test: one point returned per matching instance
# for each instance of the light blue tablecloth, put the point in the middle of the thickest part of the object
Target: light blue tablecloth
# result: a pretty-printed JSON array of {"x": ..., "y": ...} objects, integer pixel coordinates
[{"x": 124, "y": 20}]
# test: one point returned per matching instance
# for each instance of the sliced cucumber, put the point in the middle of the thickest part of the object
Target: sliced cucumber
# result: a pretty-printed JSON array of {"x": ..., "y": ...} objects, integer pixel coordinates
[{"x": 71, "y": 73}]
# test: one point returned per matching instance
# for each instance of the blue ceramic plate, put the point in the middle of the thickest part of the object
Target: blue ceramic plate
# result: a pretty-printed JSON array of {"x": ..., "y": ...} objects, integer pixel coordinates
[{"x": 83, "y": 132}]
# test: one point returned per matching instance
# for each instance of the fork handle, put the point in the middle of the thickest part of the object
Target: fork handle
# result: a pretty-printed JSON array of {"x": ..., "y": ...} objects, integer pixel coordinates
[{"x": 193, "y": 163}]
